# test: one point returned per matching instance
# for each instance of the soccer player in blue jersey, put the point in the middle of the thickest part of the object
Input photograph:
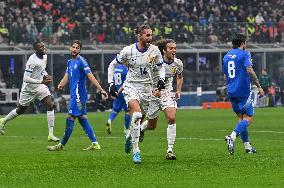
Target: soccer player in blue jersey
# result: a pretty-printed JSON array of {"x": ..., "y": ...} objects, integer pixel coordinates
[
  {"x": 239, "y": 76},
  {"x": 119, "y": 103},
  {"x": 76, "y": 73}
]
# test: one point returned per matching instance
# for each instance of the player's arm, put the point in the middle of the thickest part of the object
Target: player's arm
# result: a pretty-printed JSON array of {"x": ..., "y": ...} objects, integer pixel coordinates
[
  {"x": 28, "y": 74},
  {"x": 98, "y": 86},
  {"x": 110, "y": 70},
  {"x": 162, "y": 71},
  {"x": 179, "y": 79},
  {"x": 63, "y": 81},
  {"x": 179, "y": 85},
  {"x": 251, "y": 73},
  {"x": 254, "y": 79}
]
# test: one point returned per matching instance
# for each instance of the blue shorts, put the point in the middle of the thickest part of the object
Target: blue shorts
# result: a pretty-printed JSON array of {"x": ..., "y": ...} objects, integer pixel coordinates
[
  {"x": 77, "y": 109},
  {"x": 242, "y": 105},
  {"x": 119, "y": 104}
]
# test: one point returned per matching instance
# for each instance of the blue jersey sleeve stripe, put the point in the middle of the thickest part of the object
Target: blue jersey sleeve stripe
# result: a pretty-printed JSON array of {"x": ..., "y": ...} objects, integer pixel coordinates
[{"x": 29, "y": 71}]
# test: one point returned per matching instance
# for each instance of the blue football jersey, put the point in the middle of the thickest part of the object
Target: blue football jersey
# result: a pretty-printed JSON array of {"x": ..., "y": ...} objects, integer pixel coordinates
[
  {"x": 119, "y": 77},
  {"x": 234, "y": 66},
  {"x": 77, "y": 69}
]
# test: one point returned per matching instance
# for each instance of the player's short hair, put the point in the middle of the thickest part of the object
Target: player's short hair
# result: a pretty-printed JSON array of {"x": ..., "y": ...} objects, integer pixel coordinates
[
  {"x": 162, "y": 44},
  {"x": 77, "y": 42},
  {"x": 238, "y": 39},
  {"x": 36, "y": 43},
  {"x": 141, "y": 28}
]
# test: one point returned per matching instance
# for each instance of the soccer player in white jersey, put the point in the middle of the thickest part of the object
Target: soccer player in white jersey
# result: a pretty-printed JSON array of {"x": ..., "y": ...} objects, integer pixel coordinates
[
  {"x": 166, "y": 99},
  {"x": 34, "y": 86},
  {"x": 141, "y": 58}
]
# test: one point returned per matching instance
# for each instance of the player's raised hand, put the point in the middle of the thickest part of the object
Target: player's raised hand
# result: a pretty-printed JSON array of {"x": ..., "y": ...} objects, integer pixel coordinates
[
  {"x": 47, "y": 79},
  {"x": 104, "y": 95},
  {"x": 177, "y": 95}
]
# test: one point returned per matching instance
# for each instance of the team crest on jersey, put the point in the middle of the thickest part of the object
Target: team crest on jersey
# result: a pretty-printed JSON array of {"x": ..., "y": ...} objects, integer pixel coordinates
[
  {"x": 174, "y": 70},
  {"x": 150, "y": 58}
]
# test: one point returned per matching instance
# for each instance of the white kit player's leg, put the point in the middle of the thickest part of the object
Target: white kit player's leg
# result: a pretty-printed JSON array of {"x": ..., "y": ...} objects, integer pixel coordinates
[
  {"x": 171, "y": 136},
  {"x": 50, "y": 123},
  {"x": 13, "y": 114}
]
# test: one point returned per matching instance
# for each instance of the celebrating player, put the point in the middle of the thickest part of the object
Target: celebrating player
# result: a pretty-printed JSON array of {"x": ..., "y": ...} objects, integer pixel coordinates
[
  {"x": 76, "y": 73},
  {"x": 167, "y": 98},
  {"x": 34, "y": 87},
  {"x": 239, "y": 74},
  {"x": 141, "y": 58},
  {"x": 119, "y": 103}
]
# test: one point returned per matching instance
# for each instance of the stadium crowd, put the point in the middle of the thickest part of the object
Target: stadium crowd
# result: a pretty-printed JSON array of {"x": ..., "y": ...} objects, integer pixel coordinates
[{"x": 99, "y": 21}]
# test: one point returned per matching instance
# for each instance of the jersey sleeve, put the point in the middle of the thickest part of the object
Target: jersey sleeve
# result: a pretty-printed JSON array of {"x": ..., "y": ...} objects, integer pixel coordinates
[
  {"x": 85, "y": 65},
  {"x": 122, "y": 57},
  {"x": 30, "y": 65},
  {"x": 247, "y": 59},
  {"x": 158, "y": 57},
  {"x": 179, "y": 66}
]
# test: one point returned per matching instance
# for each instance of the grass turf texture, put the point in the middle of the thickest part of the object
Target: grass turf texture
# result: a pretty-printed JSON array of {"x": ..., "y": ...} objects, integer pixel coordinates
[{"x": 202, "y": 157}]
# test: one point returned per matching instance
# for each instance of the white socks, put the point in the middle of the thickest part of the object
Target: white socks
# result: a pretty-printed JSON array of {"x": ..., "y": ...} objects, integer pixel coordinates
[
  {"x": 135, "y": 130},
  {"x": 247, "y": 145},
  {"x": 144, "y": 126},
  {"x": 50, "y": 121},
  {"x": 233, "y": 135},
  {"x": 13, "y": 114},
  {"x": 171, "y": 136}
]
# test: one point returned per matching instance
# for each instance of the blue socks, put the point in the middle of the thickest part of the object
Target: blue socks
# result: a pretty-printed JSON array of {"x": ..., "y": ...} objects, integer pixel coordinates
[
  {"x": 112, "y": 115},
  {"x": 68, "y": 131},
  {"x": 88, "y": 129},
  {"x": 241, "y": 126},
  {"x": 244, "y": 135},
  {"x": 127, "y": 120}
]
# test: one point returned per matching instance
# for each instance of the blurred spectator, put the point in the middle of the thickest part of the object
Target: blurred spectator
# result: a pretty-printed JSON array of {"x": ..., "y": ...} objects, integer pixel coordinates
[
  {"x": 264, "y": 80},
  {"x": 206, "y": 20}
]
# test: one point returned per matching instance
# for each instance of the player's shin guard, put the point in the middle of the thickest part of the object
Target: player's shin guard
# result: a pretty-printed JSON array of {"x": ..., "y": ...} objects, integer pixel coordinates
[
  {"x": 50, "y": 121},
  {"x": 13, "y": 114},
  {"x": 135, "y": 130},
  {"x": 68, "y": 131},
  {"x": 88, "y": 129},
  {"x": 171, "y": 136}
]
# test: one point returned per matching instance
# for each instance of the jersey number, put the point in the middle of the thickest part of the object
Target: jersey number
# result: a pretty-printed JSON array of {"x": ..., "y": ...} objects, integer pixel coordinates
[
  {"x": 143, "y": 71},
  {"x": 117, "y": 79},
  {"x": 231, "y": 69}
]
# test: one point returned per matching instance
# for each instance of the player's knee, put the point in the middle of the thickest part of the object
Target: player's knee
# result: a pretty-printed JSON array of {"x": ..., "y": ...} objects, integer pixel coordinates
[
  {"x": 136, "y": 115},
  {"x": 20, "y": 110},
  {"x": 171, "y": 119}
]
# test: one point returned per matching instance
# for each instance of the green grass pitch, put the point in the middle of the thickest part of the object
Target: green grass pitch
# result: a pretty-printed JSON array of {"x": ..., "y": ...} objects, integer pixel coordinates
[{"x": 202, "y": 157}]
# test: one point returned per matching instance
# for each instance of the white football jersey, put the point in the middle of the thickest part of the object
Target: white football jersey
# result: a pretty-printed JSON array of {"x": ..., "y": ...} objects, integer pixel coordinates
[
  {"x": 36, "y": 67},
  {"x": 140, "y": 64},
  {"x": 176, "y": 67}
]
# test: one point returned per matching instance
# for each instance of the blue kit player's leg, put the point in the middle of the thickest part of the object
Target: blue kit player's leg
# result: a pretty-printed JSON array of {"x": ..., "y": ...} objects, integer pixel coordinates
[
  {"x": 90, "y": 133},
  {"x": 116, "y": 108},
  {"x": 244, "y": 108},
  {"x": 127, "y": 117},
  {"x": 68, "y": 131}
]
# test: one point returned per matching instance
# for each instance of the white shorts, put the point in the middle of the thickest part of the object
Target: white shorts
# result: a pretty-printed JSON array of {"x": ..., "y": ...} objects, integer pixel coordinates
[
  {"x": 26, "y": 97},
  {"x": 140, "y": 92},
  {"x": 166, "y": 100}
]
